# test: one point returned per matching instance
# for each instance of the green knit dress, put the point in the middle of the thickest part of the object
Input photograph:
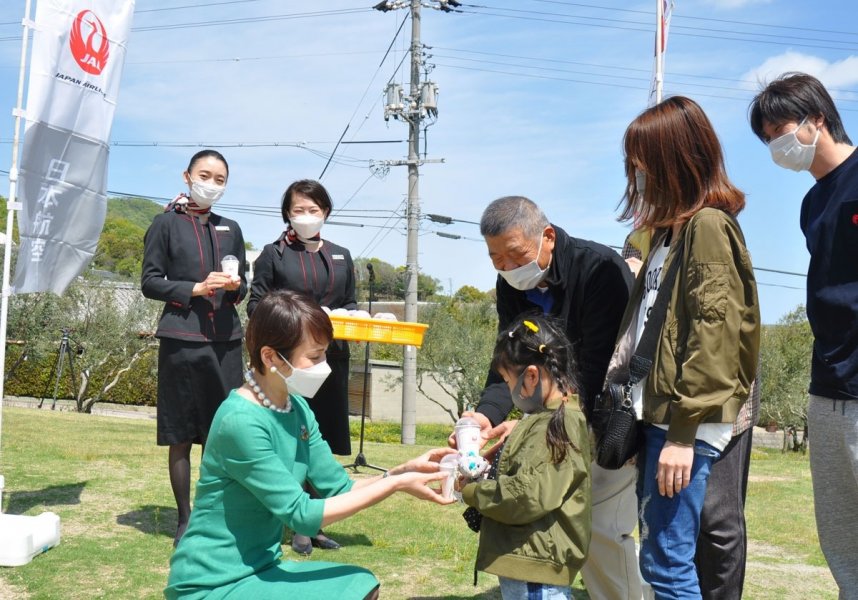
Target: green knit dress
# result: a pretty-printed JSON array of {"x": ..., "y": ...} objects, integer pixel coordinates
[{"x": 251, "y": 483}]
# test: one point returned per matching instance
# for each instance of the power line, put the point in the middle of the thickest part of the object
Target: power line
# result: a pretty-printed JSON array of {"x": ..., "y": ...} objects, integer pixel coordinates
[
  {"x": 245, "y": 20},
  {"x": 615, "y": 67},
  {"x": 206, "y": 5},
  {"x": 674, "y": 26},
  {"x": 623, "y": 77},
  {"x": 601, "y": 83},
  {"x": 646, "y": 29},
  {"x": 369, "y": 85},
  {"x": 681, "y": 16},
  {"x": 239, "y": 59},
  {"x": 275, "y": 212},
  {"x": 236, "y": 21}
]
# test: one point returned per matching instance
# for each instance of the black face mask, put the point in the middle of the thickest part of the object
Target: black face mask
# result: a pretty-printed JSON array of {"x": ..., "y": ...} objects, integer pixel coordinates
[{"x": 532, "y": 403}]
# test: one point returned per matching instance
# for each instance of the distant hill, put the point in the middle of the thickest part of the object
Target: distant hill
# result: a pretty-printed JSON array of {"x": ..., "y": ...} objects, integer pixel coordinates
[
  {"x": 137, "y": 211},
  {"x": 120, "y": 247}
]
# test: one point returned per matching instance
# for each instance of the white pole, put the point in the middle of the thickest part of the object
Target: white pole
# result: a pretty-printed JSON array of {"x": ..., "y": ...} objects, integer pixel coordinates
[
  {"x": 10, "y": 212},
  {"x": 659, "y": 56}
]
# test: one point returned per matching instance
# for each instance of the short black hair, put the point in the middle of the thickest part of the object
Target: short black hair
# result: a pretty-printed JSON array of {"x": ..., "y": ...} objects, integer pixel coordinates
[
  {"x": 314, "y": 190},
  {"x": 280, "y": 320},
  {"x": 792, "y": 97}
]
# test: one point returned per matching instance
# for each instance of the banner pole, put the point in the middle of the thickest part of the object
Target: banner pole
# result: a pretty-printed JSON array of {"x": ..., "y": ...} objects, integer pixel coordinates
[
  {"x": 659, "y": 51},
  {"x": 11, "y": 202}
]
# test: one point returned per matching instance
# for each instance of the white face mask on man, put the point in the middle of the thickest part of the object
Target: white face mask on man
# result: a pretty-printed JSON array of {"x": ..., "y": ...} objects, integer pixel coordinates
[
  {"x": 305, "y": 382},
  {"x": 788, "y": 152},
  {"x": 205, "y": 194},
  {"x": 526, "y": 277}
]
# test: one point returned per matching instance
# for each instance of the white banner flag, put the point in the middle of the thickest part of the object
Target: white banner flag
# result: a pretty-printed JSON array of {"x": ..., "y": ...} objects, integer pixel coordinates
[{"x": 78, "y": 54}]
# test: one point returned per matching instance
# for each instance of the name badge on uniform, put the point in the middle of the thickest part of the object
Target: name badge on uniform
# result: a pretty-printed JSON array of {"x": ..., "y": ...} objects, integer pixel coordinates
[
  {"x": 221, "y": 227},
  {"x": 338, "y": 257}
]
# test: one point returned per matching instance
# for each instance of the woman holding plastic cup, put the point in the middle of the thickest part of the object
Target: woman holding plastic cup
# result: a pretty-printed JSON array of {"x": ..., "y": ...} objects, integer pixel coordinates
[
  {"x": 187, "y": 250},
  {"x": 301, "y": 261},
  {"x": 264, "y": 446}
]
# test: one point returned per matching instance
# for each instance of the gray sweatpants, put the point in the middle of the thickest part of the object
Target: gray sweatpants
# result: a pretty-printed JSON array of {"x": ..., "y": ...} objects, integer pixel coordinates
[{"x": 833, "y": 436}]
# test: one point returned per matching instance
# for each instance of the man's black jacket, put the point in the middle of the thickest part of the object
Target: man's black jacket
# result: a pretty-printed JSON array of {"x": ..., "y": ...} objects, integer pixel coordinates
[{"x": 590, "y": 284}]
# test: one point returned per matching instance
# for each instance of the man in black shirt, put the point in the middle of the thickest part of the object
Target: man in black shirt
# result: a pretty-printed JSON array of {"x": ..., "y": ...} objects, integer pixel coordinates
[{"x": 796, "y": 117}]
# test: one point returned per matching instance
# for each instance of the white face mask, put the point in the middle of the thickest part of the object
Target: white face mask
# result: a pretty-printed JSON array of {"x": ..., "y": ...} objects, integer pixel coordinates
[
  {"x": 306, "y": 382},
  {"x": 306, "y": 226},
  {"x": 788, "y": 152},
  {"x": 205, "y": 194},
  {"x": 526, "y": 277},
  {"x": 640, "y": 182}
]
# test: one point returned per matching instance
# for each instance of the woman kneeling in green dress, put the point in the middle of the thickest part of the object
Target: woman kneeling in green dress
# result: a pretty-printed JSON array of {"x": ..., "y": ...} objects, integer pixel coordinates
[{"x": 263, "y": 446}]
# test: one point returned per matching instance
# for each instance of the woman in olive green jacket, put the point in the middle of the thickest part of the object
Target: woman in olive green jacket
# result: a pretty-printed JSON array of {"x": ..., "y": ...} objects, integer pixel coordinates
[
  {"x": 706, "y": 355},
  {"x": 536, "y": 527}
]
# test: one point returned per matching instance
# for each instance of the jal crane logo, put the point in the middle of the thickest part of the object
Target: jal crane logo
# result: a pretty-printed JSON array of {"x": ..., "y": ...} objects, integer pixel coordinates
[{"x": 88, "y": 41}]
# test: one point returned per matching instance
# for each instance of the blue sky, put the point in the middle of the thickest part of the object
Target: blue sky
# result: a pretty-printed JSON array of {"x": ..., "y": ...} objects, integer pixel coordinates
[{"x": 534, "y": 98}]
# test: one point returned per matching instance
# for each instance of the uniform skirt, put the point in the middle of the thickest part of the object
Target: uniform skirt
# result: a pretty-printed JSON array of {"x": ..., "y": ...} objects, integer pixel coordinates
[
  {"x": 193, "y": 379},
  {"x": 331, "y": 406}
]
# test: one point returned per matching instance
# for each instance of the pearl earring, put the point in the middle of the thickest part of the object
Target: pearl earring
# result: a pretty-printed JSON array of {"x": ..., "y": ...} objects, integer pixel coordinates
[{"x": 273, "y": 369}]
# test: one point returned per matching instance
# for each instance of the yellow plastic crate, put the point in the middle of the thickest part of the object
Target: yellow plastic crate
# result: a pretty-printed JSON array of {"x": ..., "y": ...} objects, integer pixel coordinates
[{"x": 378, "y": 330}]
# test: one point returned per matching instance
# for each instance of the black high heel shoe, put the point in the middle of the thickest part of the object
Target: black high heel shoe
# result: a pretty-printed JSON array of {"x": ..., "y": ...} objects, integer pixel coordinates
[
  {"x": 302, "y": 544},
  {"x": 324, "y": 542}
]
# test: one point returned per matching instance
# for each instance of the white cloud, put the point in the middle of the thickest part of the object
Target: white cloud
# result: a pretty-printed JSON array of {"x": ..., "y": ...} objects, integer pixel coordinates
[{"x": 837, "y": 74}]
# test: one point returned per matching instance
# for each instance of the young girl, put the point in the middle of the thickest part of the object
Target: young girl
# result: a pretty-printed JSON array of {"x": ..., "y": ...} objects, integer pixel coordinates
[{"x": 536, "y": 513}]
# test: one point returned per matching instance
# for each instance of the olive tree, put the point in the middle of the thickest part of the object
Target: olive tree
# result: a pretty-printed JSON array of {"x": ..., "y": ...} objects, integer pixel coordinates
[
  {"x": 109, "y": 328},
  {"x": 785, "y": 351},
  {"x": 457, "y": 351}
]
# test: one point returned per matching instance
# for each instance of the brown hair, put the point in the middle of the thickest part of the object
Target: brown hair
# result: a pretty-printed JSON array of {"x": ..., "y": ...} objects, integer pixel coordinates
[
  {"x": 675, "y": 144},
  {"x": 281, "y": 320}
]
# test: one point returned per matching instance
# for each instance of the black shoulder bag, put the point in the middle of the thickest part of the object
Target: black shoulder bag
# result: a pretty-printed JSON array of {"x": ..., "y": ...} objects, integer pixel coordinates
[{"x": 618, "y": 433}]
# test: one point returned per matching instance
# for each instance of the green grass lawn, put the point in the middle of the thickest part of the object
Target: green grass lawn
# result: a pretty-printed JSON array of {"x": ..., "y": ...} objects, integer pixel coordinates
[{"x": 108, "y": 482}]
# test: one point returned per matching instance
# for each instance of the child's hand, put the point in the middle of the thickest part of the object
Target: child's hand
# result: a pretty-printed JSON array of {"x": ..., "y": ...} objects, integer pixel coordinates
[
  {"x": 499, "y": 433},
  {"x": 485, "y": 425}
]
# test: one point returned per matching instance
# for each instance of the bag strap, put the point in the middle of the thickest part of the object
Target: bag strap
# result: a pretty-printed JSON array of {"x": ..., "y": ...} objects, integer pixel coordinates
[{"x": 641, "y": 361}]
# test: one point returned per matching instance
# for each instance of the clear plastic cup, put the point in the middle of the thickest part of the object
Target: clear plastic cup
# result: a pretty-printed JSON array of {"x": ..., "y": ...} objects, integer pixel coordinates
[
  {"x": 467, "y": 432},
  {"x": 450, "y": 465},
  {"x": 229, "y": 265}
]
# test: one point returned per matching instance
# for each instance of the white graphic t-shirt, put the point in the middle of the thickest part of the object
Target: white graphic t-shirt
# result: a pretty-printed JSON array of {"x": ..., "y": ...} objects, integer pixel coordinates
[{"x": 714, "y": 434}]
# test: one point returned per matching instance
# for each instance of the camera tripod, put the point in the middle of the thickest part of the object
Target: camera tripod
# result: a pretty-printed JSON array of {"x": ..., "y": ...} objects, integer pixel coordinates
[
  {"x": 360, "y": 459},
  {"x": 64, "y": 350}
]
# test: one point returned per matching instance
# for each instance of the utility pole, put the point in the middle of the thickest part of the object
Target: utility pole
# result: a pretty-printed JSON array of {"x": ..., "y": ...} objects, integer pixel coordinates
[
  {"x": 412, "y": 269},
  {"x": 420, "y": 103}
]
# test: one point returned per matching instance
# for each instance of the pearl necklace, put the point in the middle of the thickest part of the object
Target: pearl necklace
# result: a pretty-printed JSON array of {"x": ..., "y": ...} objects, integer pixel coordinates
[{"x": 263, "y": 399}]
